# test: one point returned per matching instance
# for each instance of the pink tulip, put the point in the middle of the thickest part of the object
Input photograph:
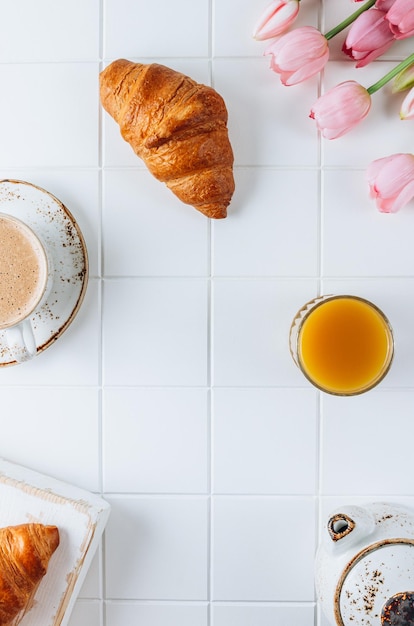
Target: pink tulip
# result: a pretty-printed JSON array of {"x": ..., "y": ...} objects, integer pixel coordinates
[
  {"x": 298, "y": 55},
  {"x": 369, "y": 37},
  {"x": 391, "y": 181},
  {"x": 407, "y": 106},
  {"x": 340, "y": 109},
  {"x": 401, "y": 18},
  {"x": 384, "y": 5},
  {"x": 276, "y": 19}
]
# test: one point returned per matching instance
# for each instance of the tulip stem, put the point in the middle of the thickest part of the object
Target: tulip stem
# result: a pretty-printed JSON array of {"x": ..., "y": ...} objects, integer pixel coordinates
[
  {"x": 349, "y": 19},
  {"x": 396, "y": 70}
]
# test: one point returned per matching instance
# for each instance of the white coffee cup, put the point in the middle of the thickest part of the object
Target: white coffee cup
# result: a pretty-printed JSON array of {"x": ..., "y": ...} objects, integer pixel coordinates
[{"x": 24, "y": 281}]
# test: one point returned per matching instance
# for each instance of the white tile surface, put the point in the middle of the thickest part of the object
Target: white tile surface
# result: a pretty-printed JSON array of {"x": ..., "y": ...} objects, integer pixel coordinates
[
  {"x": 250, "y": 330},
  {"x": 139, "y": 216},
  {"x": 349, "y": 225},
  {"x": 173, "y": 393},
  {"x": 365, "y": 440},
  {"x": 261, "y": 615},
  {"x": 164, "y": 543},
  {"x": 86, "y": 614},
  {"x": 253, "y": 244},
  {"x": 152, "y": 614},
  {"x": 146, "y": 324},
  {"x": 291, "y": 143},
  {"x": 143, "y": 431},
  {"x": 250, "y": 535},
  {"x": 188, "y": 37},
  {"x": 270, "y": 435},
  {"x": 45, "y": 30},
  {"x": 60, "y": 127},
  {"x": 60, "y": 415}
]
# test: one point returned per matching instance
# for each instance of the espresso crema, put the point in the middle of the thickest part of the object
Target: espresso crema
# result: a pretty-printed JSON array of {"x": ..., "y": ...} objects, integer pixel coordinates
[{"x": 23, "y": 271}]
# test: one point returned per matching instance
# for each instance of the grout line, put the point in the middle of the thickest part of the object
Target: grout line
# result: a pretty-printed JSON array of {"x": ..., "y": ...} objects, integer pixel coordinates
[{"x": 102, "y": 569}]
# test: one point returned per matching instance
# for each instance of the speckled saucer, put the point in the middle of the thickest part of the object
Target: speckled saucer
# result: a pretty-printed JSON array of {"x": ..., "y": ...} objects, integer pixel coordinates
[{"x": 58, "y": 230}]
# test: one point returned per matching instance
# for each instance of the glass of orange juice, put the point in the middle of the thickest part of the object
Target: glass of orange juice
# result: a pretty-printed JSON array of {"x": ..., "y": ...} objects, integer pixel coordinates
[{"x": 343, "y": 344}]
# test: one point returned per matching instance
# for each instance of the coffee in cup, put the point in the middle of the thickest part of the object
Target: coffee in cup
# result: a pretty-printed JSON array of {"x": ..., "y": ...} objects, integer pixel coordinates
[{"x": 23, "y": 279}]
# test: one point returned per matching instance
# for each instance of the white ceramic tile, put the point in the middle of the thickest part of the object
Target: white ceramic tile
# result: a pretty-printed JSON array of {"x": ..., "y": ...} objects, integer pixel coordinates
[
  {"x": 261, "y": 615},
  {"x": 358, "y": 240},
  {"x": 116, "y": 152},
  {"x": 378, "y": 450},
  {"x": 395, "y": 296},
  {"x": 148, "y": 231},
  {"x": 163, "y": 552},
  {"x": 263, "y": 549},
  {"x": 74, "y": 357},
  {"x": 46, "y": 30},
  {"x": 79, "y": 192},
  {"x": 86, "y": 613},
  {"x": 270, "y": 435},
  {"x": 152, "y": 614},
  {"x": 60, "y": 127},
  {"x": 160, "y": 435},
  {"x": 147, "y": 324},
  {"x": 233, "y": 28},
  {"x": 53, "y": 431},
  {"x": 149, "y": 32},
  {"x": 91, "y": 585},
  {"x": 251, "y": 322},
  {"x": 381, "y": 133},
  {"x": 257, "y": 104},
  {"x": 272, "y": 225},
  {"x": 234, "y": 23}
]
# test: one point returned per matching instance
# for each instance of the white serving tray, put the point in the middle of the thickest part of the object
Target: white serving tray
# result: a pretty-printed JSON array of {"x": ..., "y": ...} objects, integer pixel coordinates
[{"x": 28, "y": 496}]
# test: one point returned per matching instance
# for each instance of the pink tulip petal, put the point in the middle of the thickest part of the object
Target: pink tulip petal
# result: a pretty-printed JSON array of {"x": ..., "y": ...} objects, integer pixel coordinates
[
  {"x": 341, "y": 108},
  {"x": 384, "y": 5},
  {"x": 407, "y": 106},
  {"x": 277, "y": 17},
  {"x": 401, "y": 18},
  {"x": 395, "y": 174},
  {"x": 391, "y": 181},
  {"x": 373, "y": 55},
  {"x": 299, "y": 54},
  {"x": 407, "y": 194},
  {"x": 308, "y": 70},
  {"x": 367, "y": 29}
]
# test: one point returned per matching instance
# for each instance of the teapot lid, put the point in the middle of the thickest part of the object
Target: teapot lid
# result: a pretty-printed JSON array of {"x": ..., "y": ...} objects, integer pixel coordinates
[{"x": 377, "y": 586}]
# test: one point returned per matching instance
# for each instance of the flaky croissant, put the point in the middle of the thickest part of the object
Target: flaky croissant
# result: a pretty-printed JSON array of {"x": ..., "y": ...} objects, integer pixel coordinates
[
  {"x": 25, "y": 551},
  {"x": 177, "y": 126}
]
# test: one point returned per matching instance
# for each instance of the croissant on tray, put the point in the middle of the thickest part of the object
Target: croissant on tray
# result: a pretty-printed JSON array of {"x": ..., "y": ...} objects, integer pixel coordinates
[
  {"x": 177, "y": 126},
  {"x": 25, "y": 551}
]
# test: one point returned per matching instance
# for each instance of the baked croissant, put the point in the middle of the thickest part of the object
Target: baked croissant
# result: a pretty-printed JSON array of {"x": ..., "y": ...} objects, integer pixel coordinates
[
  {"x": 25, "y": 551},
  {"x": 177, "y": 126}
]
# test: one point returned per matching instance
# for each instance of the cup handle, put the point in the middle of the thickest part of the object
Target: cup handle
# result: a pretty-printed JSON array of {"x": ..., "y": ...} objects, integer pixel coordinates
[{"x": 21, "y": 341}]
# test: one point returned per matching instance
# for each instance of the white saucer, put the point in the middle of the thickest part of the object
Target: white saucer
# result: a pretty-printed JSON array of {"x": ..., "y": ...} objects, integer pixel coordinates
[{"x": 57, "y": 228}]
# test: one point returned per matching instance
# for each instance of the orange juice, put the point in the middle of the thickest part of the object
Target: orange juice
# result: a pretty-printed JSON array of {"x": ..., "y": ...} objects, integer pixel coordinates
[{"x": 344, "y": 345}]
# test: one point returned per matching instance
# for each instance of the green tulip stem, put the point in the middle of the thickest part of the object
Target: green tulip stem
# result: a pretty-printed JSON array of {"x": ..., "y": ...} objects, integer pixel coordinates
[
  {"x": 349, "y": 19},
  {"x": 396, "y": 70}
]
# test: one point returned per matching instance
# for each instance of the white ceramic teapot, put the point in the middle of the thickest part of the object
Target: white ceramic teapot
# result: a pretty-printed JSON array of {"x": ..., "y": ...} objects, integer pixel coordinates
[{"x": 365, "y": 566}]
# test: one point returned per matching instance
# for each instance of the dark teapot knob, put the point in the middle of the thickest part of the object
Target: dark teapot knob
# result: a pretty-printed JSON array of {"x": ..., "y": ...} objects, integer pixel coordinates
[
  {"x": 399, "y": 610},
  {"x": 339, "y": 526}
]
